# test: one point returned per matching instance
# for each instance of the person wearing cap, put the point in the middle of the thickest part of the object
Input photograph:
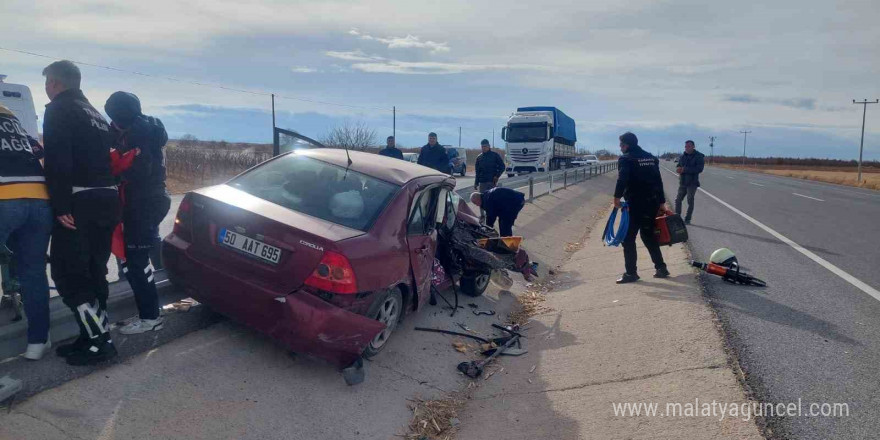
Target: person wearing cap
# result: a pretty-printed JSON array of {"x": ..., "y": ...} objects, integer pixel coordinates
[
  {"x": 26, "y": 225},
  {"x": 145, "y": 203},
  {"x": 391, "y": 149},
  {"x": 488, "y": 168},
  {"x": 433, "y": 155},
  {"x": 639, "y": 182}
]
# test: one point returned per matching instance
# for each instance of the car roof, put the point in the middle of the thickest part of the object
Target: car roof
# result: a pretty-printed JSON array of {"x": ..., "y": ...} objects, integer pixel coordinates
[{"x": 383, "y": 168}]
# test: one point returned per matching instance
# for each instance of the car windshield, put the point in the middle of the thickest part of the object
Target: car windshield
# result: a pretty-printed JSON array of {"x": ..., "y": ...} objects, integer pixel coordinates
[
  {"x": 528, "y": 132},
  {"x": 319, "y": 189}
]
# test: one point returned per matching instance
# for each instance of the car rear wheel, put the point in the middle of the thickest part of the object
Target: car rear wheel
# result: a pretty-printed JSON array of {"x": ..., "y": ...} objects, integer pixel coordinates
[
  {"x": 387, "y": 309},
  {"x": 463, "y": 171},
  {"x": 474, "y": 284}
]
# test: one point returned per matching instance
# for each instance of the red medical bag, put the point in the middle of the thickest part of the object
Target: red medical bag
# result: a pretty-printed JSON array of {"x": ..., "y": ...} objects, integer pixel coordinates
[{"x": 670, "y": 229}]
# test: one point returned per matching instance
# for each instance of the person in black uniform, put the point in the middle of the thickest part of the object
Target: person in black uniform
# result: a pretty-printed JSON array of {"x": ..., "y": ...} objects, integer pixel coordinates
[
  {"x": 433, "y": 155},
  {"x": 85, "y": 202},
  {"x": 391, "y": 149},
  {"x": 503, "y": 204},
  {"x": 639, "y": 182},
  {"x": 146, "y": 202}
]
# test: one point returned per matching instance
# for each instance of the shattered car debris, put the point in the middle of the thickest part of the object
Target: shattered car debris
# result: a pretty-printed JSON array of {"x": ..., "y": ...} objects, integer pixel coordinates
[{"x": 323, "y": 255}]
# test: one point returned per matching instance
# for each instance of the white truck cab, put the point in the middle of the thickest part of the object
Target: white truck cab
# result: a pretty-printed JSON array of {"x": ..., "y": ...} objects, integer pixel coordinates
[
  {"x": 538, "y": 139},
  {"x": 18, "y": 98}
]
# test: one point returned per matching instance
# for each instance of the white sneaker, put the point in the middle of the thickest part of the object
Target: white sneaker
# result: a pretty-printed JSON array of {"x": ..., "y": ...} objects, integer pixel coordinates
[
  {"x": 35, "y": 352},
  {"x": 142, "y": 325}
]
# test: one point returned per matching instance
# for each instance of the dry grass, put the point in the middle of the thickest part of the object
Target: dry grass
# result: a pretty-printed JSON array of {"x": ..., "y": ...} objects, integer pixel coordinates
[
  {"x": 845, "y": 176},
  {"x": 434, "y": 419},
  {"x": 530, "y": 303}
]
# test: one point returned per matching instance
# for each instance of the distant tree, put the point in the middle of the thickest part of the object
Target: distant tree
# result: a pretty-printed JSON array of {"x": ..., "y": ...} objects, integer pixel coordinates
[
  {"x": 188, "y": 140},
  {"x": 602, "y": 152},
  {"x": 355, "y": 136}
]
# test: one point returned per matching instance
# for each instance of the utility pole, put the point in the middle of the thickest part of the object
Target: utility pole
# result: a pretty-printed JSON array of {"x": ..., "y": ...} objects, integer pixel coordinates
[
  {"x": 712, "y": 149},
  {"x": 459, "y": 135},
  {"x": 273, "y": 115},
  {"x": 394, "y": 123},
  {"x": 493, "y": 138},
  {"x": 745, "y": 136},
  {"x": 864, "y": 103}
]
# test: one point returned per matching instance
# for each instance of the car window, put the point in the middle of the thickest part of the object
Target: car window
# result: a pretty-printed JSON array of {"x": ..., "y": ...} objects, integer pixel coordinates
[
  {"x": 422, "y": 217},
  {"x": 319, "y": 189}
]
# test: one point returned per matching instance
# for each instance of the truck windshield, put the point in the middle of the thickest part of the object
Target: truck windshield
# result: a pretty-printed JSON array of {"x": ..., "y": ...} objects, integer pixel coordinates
[{"x": 527, "y": 132}]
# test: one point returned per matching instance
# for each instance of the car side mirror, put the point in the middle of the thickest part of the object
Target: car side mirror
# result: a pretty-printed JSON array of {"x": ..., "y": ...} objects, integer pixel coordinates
[{"x": 504, "y": 133}]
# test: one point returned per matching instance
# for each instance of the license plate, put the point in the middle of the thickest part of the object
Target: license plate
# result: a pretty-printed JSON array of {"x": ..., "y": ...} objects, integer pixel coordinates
[{"x": 250, "y": 246}]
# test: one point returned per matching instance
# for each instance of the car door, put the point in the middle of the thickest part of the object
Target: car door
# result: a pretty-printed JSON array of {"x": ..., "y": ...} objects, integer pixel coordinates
[{"x": 422, "y": 239}]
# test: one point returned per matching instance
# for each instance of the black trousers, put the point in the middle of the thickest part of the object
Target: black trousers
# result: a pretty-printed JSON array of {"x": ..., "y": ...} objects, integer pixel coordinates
[
  {"x": 140, "y": 226},
  {"x": 505, "y": 221},
  {"x": 641, "y": 222},
  {"x": 79, "y": 257},
  {"x": 683, "y": 191}
]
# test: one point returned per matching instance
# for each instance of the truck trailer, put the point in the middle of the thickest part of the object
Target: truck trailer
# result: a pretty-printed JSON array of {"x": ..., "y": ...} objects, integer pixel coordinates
[{"x": 539, "y": 139}]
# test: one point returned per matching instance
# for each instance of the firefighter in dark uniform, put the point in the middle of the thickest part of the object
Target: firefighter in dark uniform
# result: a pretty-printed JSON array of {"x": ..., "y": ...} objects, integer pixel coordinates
[
  {"x": 640, "y": 184},
  {"x": 145, "y": 203},
  {"x": 85, "y": 202}
]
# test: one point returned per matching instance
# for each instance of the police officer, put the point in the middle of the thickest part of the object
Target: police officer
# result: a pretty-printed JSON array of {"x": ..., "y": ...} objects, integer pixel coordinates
[
  {"x": 501, "y": 203},
  {"x": 690, "y": 165},
  {"x": 488, "y": 168},
  {"x": 25, "y": 223},
  {"x": 391, "y": 149},
  {"x": 640, "y": 184},
  {"x": 146, "y": 202},
  {"x": 86, "y": 208}
]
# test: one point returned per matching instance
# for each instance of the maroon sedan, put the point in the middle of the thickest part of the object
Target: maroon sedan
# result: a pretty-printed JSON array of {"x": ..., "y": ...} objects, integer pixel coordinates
[{"x": 323, "y": 256}]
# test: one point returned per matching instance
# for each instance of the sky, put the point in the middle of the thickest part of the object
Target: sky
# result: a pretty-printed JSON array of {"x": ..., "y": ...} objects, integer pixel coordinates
[{"x": 668, "y": 71}]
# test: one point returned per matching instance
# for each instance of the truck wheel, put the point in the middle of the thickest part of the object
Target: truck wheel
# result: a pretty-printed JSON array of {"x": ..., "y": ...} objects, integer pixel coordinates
[
  {"x": 474, "y": 284},
  {"x": 463, "y": 171},
  {"x": 387, "y": 309}
]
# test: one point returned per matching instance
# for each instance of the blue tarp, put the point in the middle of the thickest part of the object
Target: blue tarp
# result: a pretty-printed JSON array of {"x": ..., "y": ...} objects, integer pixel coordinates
[{"x": 564, "y": 126}]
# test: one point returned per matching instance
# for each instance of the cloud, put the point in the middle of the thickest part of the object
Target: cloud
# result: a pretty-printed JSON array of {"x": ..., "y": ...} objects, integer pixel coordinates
[
  {"x": 407, "y": 42},
  {"x": 303, "y": 70},
  {"x": 799, "y": 103},
  {"x": 376, "y": 64}
]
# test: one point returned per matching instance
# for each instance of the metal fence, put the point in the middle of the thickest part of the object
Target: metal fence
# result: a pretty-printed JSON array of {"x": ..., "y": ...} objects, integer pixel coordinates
[{"x": 538, "y": 185}]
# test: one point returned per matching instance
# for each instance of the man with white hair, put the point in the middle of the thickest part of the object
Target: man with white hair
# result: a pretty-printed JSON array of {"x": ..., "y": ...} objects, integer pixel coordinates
[{"x": 503, "y": 204}]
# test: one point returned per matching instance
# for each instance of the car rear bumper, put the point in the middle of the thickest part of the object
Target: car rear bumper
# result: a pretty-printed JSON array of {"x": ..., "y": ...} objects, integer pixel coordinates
[{"x": 300, "y": 321}]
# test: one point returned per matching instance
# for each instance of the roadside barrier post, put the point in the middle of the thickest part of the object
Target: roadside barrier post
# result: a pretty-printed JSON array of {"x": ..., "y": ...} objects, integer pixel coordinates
[
  {"x": 531, "y": 188},
  {"x": 550, "y": 191},
  {"x": 565, "y": 179}
]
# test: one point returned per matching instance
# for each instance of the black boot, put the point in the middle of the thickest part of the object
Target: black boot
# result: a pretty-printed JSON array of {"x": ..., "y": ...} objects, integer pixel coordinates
[
  {"x": 98, "y": 349},
  {"x": 661, "y": 273},
  {"x": 627, "y": 278},
  {"x": 81, "y": 341}
]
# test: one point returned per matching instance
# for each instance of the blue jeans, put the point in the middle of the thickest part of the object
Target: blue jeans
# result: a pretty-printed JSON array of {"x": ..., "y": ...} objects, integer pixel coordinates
[{"x": 25, "y": 226}]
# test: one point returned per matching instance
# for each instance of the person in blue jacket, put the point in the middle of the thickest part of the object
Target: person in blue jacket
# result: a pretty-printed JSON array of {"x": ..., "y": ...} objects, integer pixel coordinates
[{"x": 501, "y": 203}]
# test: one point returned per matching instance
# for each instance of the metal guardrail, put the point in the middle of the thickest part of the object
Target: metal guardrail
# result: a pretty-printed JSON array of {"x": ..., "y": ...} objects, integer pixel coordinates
[{"x": 571, "y": 176}]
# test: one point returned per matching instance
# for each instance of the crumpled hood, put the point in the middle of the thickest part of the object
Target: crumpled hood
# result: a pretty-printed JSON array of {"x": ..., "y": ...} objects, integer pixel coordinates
[{"x": 123, "y": 108}]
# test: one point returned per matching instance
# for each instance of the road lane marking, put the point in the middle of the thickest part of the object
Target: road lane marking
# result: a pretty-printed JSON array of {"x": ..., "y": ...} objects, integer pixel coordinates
[
  {"x": 801, "y": 195},
  {"x": 864, "y": 287},
  {"x": 756, "y": 184},
  {"x": 729, "y": 177}
]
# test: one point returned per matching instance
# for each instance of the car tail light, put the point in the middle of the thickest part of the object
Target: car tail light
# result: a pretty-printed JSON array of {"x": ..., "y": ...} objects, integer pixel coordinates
[
  {"x": 183, "y": 221},
  {"x": 333, "y": 274}
]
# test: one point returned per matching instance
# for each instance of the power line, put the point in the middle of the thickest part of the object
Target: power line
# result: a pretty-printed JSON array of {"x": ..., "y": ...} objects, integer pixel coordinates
[{"x": 191, "y": 82}]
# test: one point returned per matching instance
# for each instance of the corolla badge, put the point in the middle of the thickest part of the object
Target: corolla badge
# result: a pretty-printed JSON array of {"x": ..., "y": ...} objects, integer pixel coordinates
[{"x": 311, "y": 245}]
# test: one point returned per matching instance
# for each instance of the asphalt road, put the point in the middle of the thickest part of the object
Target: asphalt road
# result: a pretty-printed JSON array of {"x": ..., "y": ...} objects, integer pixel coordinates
[{"x": 812, "y": 335}]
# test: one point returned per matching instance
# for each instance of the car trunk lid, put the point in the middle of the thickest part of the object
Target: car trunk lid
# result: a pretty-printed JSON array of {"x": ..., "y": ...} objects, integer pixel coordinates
[{"x": 301, "y": 239}]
